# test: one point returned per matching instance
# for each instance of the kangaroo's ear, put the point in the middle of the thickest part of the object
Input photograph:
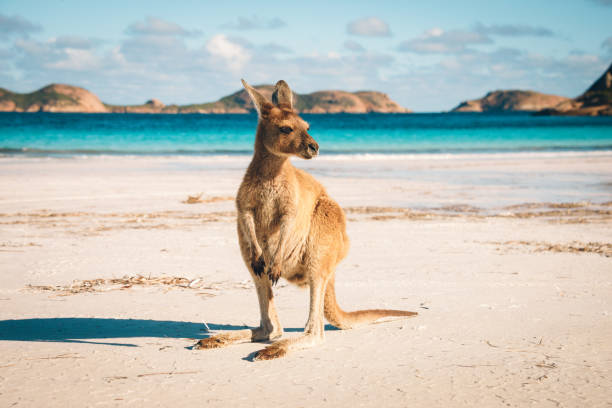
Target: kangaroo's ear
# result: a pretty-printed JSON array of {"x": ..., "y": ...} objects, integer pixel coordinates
[
  {"x": 282, "y": 95},
  {"x": 261, "y": 103}
]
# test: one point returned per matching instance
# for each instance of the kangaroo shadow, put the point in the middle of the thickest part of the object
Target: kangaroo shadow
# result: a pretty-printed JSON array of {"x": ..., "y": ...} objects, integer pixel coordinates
[{"x": 83, "y": 330}]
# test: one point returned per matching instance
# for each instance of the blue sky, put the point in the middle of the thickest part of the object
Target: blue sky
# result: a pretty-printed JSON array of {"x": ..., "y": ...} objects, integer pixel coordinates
[{"x": 427, "y": 55}]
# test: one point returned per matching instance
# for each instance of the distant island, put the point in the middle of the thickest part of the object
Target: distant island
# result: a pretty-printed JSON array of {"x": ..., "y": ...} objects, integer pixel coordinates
[
  {"x": 511, "y": 101},
  {"x": 68, "y": 98},
  {"x": 595, "y": 101}
]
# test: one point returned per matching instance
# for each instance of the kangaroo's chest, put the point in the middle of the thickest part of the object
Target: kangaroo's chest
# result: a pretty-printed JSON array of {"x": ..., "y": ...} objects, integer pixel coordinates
[{"x": 268, "y": 202}]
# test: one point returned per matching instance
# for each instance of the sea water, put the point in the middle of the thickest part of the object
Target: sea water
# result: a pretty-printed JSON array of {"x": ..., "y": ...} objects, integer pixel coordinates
[{"x": 360, "y": 135}]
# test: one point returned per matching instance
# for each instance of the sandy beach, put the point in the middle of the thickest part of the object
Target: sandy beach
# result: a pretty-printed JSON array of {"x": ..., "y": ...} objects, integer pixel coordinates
[{"x": 110, "y": 273}]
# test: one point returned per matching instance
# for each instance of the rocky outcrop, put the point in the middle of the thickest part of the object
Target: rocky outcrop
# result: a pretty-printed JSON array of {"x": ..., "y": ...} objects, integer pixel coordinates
[
  {"x": 66, "y": 98},
  {"x": 155, "y": 103},
  {"x": 52, "y": 98},
  {"x": 510, "y": 101},
  {"x": 595, "y": 101},
  {"x": 151, "y": 106},
  {"x": 347, "y": 102},
  {"x": 316, "y": 102}
]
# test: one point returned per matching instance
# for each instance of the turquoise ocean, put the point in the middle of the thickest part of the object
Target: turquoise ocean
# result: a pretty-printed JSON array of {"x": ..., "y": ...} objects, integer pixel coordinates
[{"x": 53, "y": 134}]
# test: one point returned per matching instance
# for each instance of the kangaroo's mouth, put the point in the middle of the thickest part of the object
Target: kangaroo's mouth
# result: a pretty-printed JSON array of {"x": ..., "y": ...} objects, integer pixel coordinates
[{"x": 311, "y": 151}]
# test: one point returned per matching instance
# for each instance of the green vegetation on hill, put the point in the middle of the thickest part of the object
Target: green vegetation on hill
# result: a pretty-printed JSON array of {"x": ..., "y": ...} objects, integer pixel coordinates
[
  {"x": 305, "y": 102},
  {"x": 511, "y": 100},
  {"x": 41, "y": 97}
]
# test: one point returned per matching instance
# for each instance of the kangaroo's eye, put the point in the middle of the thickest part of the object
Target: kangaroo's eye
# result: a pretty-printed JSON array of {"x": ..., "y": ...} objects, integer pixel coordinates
[{"x": 286, "y": 129}]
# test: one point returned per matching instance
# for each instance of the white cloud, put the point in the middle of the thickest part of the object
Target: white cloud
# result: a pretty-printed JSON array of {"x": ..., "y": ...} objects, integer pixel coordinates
[
  {"x": 73, "y": 41},
  {"x": 513, "y": 30},
  {"x": 17, "y": 25},
  {"x": 77, "y": 60},
  {"x": 434, "y": 32},
  {"x": 231, "y": 52},
  {"x": 369, "y": 27},
  {"x": 255, "y": 23},
  {"x": 152, "y": 48},
  {"x": 158, "y": 27},
  {"x": 353, "y": 46},
  {"x": 438, "y": 41},
  {"x": 274, "y": 48},
  {"x": 52, "y": 56}
]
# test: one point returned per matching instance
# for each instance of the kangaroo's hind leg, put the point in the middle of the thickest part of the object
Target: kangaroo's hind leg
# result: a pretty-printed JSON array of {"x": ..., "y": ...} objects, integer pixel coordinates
[
  {"x": 269, "y": 326},
  {"x": 327, "y": 246},
  {"x": 313, "y": 332}
]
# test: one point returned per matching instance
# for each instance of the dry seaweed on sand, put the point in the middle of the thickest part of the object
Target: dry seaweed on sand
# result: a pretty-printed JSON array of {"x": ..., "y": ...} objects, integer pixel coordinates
[
  {"x": 194, "y": 199},
  {"x": 167, "y": 373},
  {"x": 203, "y": 288},
  {"x": 126, "y": 282},
  {"x": 601, "y": 248},
  {"x": 197, "y": 199}
]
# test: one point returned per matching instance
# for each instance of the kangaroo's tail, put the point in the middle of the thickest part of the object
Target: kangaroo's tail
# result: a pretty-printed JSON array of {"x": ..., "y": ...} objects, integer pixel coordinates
[{"x": 348, "y": 320}]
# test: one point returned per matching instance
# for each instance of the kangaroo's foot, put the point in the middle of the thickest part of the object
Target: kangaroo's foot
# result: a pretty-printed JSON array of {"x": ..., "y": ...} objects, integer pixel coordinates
[
  {"x": 274, "y": 350},
  {"x": 237, "y": 337},
  {"x": 220, "y": 340},
  {"x": 282, "y": 347}
]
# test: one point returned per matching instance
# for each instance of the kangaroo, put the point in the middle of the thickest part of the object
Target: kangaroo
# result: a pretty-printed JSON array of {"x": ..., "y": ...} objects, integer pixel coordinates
[{"x": 289, "y": 227}]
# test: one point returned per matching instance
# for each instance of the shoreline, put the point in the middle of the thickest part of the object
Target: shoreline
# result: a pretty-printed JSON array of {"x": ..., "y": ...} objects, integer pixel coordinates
[
  {"x": 488, "y": 182},
  {"x": 27, "y": 153}
]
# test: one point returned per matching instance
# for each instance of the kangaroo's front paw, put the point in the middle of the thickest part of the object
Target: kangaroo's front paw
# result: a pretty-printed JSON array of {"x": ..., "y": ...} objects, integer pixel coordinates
[
  {"x": 258, "y": 266},
  {"x": 274, "y": 273},
  {"x": 274, "y": 350}
]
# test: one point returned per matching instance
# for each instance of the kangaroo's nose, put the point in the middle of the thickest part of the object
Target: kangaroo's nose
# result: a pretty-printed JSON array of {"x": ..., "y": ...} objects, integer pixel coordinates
[{"x": 313, "y": 148}]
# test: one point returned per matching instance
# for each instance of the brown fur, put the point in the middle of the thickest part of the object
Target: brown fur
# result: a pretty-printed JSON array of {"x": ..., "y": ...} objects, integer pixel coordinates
[{"x": 289, "y": 227}]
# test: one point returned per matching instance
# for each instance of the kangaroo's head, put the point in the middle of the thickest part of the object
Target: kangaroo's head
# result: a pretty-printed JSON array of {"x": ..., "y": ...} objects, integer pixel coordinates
[{"x": 281, "y": 130}]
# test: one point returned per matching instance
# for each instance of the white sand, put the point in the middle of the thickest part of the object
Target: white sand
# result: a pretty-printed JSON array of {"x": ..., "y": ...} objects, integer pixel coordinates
[{"x": 508, "y": 314}]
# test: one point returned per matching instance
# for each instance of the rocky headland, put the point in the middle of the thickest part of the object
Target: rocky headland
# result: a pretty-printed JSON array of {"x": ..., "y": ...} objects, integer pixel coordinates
[
  {"x": 68, "y": 98},
  {"x": 595, "y": 101}
]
